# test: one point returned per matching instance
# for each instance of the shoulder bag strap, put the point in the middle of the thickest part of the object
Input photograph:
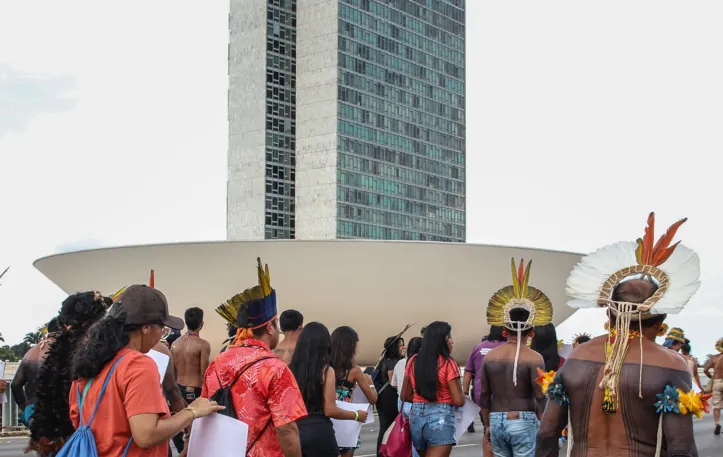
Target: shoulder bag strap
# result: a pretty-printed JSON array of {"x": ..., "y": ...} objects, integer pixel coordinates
[
  {"x": 102, "y": 391},
  {"x": 81, "y": 399},
  {"x": 243, "y": 370},
  {"x": 258, "y": 436}
]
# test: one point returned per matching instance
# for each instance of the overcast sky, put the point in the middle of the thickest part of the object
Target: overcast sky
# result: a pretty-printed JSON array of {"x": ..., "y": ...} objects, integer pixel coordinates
[{"x": 582, "y": 118}]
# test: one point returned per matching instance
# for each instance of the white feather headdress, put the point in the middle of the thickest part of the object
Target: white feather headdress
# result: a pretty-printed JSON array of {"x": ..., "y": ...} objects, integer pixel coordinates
[{"x": 675, "y": 269}]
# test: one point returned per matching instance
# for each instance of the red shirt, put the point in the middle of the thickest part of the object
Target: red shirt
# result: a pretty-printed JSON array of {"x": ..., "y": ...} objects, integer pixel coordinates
[
  {"x": 447, "y": 370},
  {"x": 266, "y": 391},
  {"x": 134, "y": 388}
]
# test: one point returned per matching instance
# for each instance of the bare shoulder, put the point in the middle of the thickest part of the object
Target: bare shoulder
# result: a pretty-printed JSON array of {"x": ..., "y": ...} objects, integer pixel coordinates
[
  {"x": 205, "y": 344},
  {"x": 356, "y": 372},
  {"x": 665, "y": 357},
  {"x": 592, "y": 350},
  {"x": 495, "y": 353},
  {"x": 162, "y": 348},
  {"x": 531, "y": 355}
]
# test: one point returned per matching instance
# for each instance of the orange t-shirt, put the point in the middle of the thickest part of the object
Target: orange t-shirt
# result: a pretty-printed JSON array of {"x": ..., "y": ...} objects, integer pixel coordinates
[
  {"x": 134, "y": 388},
  {"x": 447, "y": 370}
]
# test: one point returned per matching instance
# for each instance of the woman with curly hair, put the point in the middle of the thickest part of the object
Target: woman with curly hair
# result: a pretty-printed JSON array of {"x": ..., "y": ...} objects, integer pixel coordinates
[
  {"x": 50, "y": 426},
  {"x": 110, "y": 368}
]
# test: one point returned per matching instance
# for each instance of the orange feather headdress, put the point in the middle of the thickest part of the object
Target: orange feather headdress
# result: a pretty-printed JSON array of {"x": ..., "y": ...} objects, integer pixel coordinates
[{"x": 674, "y": 268}]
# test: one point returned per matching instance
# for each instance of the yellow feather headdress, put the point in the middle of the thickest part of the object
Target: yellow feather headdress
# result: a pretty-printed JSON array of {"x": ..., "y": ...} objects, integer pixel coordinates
[
  {"x": 229, "y": 309},
  {"x": 719, "y": 345},
  {"x": 519, "y": 295}
]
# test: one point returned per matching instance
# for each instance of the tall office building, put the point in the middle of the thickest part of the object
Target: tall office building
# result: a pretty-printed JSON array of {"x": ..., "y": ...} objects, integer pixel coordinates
[{"x": 347, "y": 119}]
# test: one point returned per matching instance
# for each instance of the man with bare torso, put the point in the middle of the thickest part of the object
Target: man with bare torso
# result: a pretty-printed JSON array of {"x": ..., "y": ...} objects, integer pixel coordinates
[
  {"x": 632, "y": 428},
  {"x": 717, "y": 400},
  {"x": 24, "y": 383},
  {"x": 291, "y": 322},
  {"x": 713, "y": 371},
  {"x": 191, "y": 355},
  {"x": 171, "y": 391},
  {"x": 510, "y": 412}
]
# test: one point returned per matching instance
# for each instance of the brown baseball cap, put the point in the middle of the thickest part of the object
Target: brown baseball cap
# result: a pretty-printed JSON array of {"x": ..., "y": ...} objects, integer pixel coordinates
[{"x": 145, "y": 305}]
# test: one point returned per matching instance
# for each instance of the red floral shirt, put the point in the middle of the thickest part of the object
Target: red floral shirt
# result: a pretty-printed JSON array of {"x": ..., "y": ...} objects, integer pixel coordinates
[{"x": 266, "y": 391}]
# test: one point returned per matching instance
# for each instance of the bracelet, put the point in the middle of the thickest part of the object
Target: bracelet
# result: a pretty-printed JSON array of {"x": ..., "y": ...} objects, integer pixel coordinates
[
  {"x": 193, "y": 411},
  {"x": 356, "y": 416}
]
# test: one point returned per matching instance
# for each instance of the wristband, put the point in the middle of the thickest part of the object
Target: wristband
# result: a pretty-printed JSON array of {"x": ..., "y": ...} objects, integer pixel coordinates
[
  {"x": 356, "y": 416},
  {"x": 193, "y": 411}
]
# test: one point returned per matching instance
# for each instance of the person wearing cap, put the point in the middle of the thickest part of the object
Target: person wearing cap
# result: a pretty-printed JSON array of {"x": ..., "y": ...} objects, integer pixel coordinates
[
  {"x": 621, "y": 393},
  {"x": 263, "y": 389},
  {"x": 133, "y": 415},
  {"x": 675, "y": 339},
  {"x": 511, "y": 399}
]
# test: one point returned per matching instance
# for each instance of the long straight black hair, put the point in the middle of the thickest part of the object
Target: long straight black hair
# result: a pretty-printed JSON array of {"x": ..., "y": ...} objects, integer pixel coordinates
[
  {"x": 413, "y": 347},
  {"x": 426, "y": 369},
  {"x": 343, "y": 347},
  {"x": 545, "y": 343},
  {"x": 310, "y": 361}
]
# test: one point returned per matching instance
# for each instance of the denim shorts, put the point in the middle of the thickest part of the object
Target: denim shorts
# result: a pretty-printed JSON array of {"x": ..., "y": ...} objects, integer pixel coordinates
[
  {"x": 513, "y": 438},
  {"x": 432, "y": 424}
]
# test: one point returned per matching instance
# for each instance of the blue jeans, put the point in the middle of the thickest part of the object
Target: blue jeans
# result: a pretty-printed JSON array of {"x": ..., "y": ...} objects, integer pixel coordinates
[
  {"x": 406, "y": 408},
  {"x": 432, "y": 425},
  {"x": 513, "y": 438}
]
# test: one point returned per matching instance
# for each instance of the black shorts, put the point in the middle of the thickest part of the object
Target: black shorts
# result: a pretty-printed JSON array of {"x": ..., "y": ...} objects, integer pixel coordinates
[
  {"x": 190, "y": 393},
  {"x": 317, "y": 437}
]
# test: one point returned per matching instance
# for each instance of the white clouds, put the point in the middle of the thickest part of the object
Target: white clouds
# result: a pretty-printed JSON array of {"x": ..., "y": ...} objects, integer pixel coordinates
[
  {"x": 141, "y": 157},
  {"x": 582, "y": 117},
  {"x": 24, "y": 95}
]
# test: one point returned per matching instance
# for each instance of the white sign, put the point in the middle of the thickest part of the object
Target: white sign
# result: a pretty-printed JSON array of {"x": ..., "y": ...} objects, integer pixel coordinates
[
  {"x": 465, "y": 416},
  {"x": 210, "y": 437},
  {"x": 161, "y": 360},
  {"x": 3, "y": 396},
  {"x": 358, "y": 397},
  {"x": 347, "y": 431}
]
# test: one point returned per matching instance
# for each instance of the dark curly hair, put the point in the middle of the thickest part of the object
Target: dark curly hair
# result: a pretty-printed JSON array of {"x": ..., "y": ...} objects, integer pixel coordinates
[
  {"x": 101, "y": 343},
  {"x": 51, "y": 425}
]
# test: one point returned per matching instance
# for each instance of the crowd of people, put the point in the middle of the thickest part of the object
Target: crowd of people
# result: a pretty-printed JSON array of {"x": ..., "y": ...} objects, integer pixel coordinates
[{"x": 617, "y": 394}]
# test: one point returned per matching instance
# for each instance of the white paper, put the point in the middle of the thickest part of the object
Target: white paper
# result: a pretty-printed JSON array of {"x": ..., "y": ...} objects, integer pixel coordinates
[
  {"x": 465, "y": 416},
  {"x": 358, "y": 397},
  {"x": 3, "y": 396},
  {"x": 210, "y": 437},
  {"x": 347, "y": 431},
  {"x": 161, "y": 360}
]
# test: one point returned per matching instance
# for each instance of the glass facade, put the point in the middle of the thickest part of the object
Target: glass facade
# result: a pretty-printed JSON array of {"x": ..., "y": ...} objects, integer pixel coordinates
[
  {"x": 401, "y": 120},
  {"x": 280, "y": 119}
]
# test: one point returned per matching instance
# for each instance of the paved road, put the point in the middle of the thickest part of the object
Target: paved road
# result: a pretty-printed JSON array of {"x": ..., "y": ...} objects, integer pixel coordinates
[{"x": 708, "y": 444}]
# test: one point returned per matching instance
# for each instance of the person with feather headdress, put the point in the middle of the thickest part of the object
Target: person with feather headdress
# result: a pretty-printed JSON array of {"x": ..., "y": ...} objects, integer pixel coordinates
[
  {"x": 263, "y": 389},
  {"x": 511, "y": 399},
  {"x": 621, "y": 393}
]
